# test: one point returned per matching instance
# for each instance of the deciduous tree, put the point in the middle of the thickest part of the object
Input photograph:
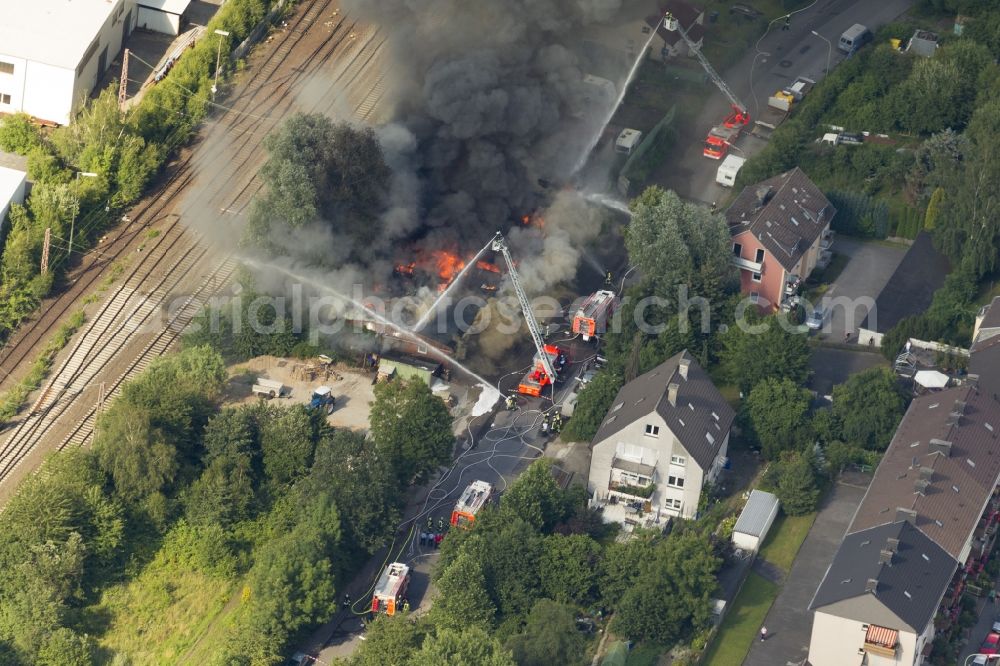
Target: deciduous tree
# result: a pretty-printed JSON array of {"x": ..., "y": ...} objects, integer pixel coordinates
[
  {"x": 869, "y": 407},
  {"x": 779, "y": 412},
  {"x": 411, "y": 429}
]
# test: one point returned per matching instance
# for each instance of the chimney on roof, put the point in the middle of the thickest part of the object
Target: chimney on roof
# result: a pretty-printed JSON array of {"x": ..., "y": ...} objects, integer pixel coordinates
[
  {"x": 909, "y": 515},
  {"x": 683, "y": 366},
  {"x": 872, "y": 585},
  {"x": 941, "y": 446},
  {"x": 920, "y": 486},
  {"x": 926, "y": 473},
  {"x": 973, "y": 380},
  {"x": 672, "y": 389},
  {"x": 885, "y": 557},
  {"x": 892, "y": 545}
]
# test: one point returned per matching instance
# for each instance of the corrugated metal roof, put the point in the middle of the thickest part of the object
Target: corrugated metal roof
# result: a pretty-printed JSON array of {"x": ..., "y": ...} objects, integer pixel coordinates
[{"x": 753, "y": 519}]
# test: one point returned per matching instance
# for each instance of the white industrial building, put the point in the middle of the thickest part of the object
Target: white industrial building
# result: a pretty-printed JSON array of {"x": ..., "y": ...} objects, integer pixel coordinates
[
  {"x": 12, "y": 190},
  {"x": 53, "y": 53},
  {"x": 164, "y": 16}
]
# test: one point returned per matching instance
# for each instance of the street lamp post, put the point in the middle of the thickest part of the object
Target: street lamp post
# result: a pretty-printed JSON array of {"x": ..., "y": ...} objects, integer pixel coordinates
[
  {"x": 829, "y": 49},
  {"x": 76, "y": 206},
  {"x": 218, "y": 59}
]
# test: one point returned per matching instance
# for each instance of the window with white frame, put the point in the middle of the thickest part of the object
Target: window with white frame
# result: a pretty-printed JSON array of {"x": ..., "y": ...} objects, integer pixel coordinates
[
  {"x": 760, "y": 256},
  {"x": 755, "y": 277},
  {"x": 652, "y": 430},
  {"x": 672, "y": 504},
  {"x": 737, "y": 249},
  {"x": 678, "y": 460},
  {"x": 675, "y": 481}
]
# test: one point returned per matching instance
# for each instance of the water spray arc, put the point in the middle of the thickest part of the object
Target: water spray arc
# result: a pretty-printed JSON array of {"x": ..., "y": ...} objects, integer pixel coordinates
[
  {"x": 608, "y": 201},
  {"x": 582, "y": 159},
  {"x": 426, "y": 316},
  {"x": 404, "y": 331}
]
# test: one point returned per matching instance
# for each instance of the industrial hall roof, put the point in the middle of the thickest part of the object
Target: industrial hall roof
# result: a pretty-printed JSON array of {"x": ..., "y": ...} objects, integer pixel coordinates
[
  {"x": 54, "y": 32},
  {"x": 700, "y": 417},
  {"x": 786, "y": 213},
  {"x": 904, "y": 570},
  {"x": 940, "y": 468}
]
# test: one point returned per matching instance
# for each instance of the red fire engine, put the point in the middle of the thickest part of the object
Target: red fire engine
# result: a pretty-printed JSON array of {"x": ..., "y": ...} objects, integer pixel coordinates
[
  {"x": 591, "y": 319},
  {"x": 391, "y": 589},
  {"x": 537, "y": 378},
  {"x": 473, "y": 498}
]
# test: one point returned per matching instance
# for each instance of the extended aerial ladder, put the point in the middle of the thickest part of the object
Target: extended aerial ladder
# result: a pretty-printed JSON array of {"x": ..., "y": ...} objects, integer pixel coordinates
[
  {"x": 500, "y": 245},
  {"x": 740, "y": 115}
]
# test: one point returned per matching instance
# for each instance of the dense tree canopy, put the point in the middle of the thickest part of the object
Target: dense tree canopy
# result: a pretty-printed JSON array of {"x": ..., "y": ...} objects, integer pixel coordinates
[
  {"x": 411, "y": 429},
  {"x": 868, "y": 408},
  {"x": 764, "y": 349},
  {"x": 779, "y": 413}
]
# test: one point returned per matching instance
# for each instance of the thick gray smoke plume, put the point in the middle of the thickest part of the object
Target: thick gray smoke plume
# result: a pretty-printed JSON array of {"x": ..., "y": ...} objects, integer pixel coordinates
[{"x": 493, "y": 98}]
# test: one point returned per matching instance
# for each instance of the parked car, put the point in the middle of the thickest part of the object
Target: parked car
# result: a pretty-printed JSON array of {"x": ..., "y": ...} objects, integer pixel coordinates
[
  {"x": 992, "y": 644},
  {"x": 817, "y": 318}
]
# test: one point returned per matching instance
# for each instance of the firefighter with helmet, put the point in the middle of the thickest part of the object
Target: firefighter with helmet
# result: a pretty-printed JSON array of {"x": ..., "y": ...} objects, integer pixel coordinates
[{"x": 511, "y": 403}]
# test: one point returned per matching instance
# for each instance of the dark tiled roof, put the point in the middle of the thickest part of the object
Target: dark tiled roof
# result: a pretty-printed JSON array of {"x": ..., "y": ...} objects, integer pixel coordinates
[
  {"x": 946, "y": 491},
  {"x": 985, "y": 362},
  {"x": 789, "y": 220},
  {"x": 910, "y": 289},
  {"x": 910, "y": 585},
  {"x": 700, "y": 420}
]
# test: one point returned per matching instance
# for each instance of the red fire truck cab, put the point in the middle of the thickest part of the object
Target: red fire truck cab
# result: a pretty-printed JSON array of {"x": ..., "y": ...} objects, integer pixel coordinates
[
  {"x": 537, "y": 378},
  {"x": 591, "y": 319},
  {"x": 391, "y": 589},
  {"x": 473, "y": 498}
]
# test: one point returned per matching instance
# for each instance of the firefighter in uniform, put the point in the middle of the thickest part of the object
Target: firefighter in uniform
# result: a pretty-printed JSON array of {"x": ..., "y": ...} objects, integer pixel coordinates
[
  {"x": 511, "y": 403},
  {"x": 406, "y": 605},
  {"x": 608, "y": 278}
]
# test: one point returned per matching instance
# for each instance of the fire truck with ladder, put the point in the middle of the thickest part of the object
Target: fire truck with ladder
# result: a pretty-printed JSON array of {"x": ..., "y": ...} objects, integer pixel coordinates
[
  {"x": 591, "y": 319},
  {"x": 549, "y": 360},
  {"x": 473, "y": 498},
  {"x": 721, "y": 137},
  {"x": 390, "y": 591}
]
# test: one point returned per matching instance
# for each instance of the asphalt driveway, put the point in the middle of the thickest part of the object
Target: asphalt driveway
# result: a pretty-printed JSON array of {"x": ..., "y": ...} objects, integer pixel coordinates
[
  {"x": 831, "y": 366},
  {"x": 789, "y": 622},
  {"x": 870, "y": 265}
]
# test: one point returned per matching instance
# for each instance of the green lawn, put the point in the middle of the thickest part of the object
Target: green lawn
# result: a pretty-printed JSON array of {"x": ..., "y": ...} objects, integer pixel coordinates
[
  {"x": 160, "y": 614},
  {"x": 786, "y": 536},
  {"x": 742, "y": 622}
]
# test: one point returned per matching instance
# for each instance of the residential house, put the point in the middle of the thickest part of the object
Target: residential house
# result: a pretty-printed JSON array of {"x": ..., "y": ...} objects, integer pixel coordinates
[
  {"x": 779, "y": 227},
  {"x": 665, "y": 437},
  {"x": 669, "y": 43},
  {"x": 908, "y": 292},
  {"x": 927, "y": 522}
]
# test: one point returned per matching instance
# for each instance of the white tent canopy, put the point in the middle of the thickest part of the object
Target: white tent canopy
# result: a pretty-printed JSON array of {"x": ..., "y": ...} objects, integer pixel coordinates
[{"x": 931, "y": 379}]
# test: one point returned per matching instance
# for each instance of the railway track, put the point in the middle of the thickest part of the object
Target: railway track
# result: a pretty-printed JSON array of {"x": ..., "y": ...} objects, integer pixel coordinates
[{"x": 66, "y": 410}]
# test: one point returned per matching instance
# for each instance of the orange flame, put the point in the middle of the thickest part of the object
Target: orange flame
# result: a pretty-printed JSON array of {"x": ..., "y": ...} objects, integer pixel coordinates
[
  {"x": 448, "y": 264},
  {"x": 484, "y": 265}
]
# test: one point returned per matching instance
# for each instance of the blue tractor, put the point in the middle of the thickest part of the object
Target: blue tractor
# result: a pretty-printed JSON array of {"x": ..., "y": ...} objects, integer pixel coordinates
[{"x": 322, "y": 398}]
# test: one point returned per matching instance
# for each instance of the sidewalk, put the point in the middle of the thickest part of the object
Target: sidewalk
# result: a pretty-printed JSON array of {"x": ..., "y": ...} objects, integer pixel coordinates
[{"x": 789, "y": 623}]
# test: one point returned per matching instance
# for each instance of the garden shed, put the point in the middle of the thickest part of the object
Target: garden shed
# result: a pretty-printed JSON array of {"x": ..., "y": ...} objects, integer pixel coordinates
[{"x": 755, "y": 520}]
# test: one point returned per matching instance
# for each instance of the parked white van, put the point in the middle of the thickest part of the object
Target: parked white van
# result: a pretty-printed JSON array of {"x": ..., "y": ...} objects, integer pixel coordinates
[{"x": 854, "y": 38}]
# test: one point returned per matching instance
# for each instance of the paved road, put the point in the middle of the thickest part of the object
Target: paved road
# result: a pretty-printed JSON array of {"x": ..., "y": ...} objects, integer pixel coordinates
[
  {"x": 854, "y": 291},
  {"x": 788, "y": 54},
  {"x": 988, "y": 611},
  {"x": 498, "y": 456},
  {"x": 789, "y": 623}
]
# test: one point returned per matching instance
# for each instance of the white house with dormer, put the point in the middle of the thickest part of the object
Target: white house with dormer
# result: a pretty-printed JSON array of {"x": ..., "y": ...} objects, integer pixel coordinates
[{"x": 665, "y": 437}]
